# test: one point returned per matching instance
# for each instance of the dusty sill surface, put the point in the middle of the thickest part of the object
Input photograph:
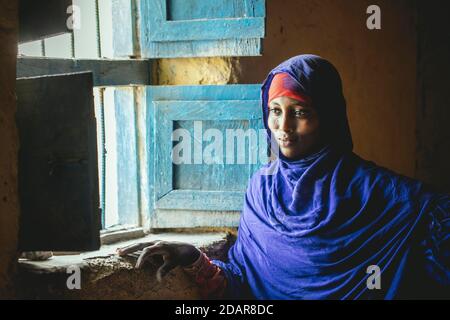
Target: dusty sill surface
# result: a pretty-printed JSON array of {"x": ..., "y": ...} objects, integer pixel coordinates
[{"x": 104, "y": 275}]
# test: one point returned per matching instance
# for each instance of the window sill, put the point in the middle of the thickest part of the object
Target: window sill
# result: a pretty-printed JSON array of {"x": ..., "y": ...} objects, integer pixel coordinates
[
  {"x": 207, "y": 242},
  {"x": 105, "y": 275},
  {"x": 124, "y": 234}
]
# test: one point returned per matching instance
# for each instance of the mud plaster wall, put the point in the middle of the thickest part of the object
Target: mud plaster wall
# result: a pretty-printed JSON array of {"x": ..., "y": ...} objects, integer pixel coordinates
[
  {"x": 105, "y": 279},
  {"x": 9, "y": 210},
  {"x": 195, "y": 71},
  {"x": 113, "y": 277},
  {"x": 378, "y": 68}
]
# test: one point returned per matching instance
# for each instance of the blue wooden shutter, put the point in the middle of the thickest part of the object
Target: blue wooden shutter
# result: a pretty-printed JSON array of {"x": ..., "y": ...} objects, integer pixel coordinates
[
  {"x": 58, "y": 177},
  {"x": 195, "y": 28},
  {"x": 199, "y": 194}
]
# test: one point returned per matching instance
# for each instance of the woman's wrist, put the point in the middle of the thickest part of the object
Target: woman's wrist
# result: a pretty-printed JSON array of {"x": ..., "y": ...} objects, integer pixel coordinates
[
  {"x": 208, "y": 276},
  {"x": 194, "y": 267}
]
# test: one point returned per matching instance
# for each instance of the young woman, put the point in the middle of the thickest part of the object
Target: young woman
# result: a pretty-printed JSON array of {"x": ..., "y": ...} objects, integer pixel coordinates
[{"x": 319, "y": 222}]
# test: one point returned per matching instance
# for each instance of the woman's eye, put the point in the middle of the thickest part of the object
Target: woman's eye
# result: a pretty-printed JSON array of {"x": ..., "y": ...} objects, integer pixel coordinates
[
  {"x": 275, "y": 111},
  {"x": 301, "y": 113}
]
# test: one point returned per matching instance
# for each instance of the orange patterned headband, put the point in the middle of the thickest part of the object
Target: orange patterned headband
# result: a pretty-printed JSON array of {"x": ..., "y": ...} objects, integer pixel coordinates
[{"x": 283, "y": 85}]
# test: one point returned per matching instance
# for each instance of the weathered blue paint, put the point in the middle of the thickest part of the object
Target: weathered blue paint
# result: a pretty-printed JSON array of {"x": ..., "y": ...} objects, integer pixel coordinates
[
  {"x": 143, "y": 149},
  {"x": 207, "y": 29},
  {"x": 212, "y": 9},
  {"x": 205, "y": 48},
  {"x": 123, "y": 28},
  {"x": 127, "y": 162},
  {"x": 202, "y": 200},
  {"x": 225, "y": 27},
  {"x": 208, "y": 110},
  {"x": 204, "y": 92},
  {"x": 227, "y": 177},
  {"x": 170, "y": 106}
]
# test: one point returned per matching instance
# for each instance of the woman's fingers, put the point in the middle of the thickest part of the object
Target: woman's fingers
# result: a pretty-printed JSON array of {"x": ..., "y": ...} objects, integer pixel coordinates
[
  {"x": 149, "y": 251},
  {"x": 168, "y": 265},
  {"x": 134, "y": 247}
]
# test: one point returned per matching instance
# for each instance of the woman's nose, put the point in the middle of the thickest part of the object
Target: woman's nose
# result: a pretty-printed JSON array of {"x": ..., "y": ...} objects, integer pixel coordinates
[{"x": 285, "y": 124}]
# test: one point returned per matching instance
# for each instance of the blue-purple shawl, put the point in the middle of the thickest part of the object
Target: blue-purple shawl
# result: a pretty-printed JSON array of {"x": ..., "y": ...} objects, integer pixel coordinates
[{"x": 314, "y": 228}]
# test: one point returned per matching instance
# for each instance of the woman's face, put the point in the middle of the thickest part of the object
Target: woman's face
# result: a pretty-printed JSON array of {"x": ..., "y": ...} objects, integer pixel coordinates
[{"x": 295, "y": 126}]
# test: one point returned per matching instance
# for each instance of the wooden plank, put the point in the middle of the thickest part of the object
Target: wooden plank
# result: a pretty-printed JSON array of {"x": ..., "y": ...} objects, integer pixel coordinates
[
  {"x": 127, "y": 166},
  {"x": 215, "y": 153},
  {"x": 163, "y": 160},
  {"x": 193, "y": 219},
  {"x": 202, "y": 200},
  {"x": 209, "y": 110},
  {"x": 111, "y": 179},
  {"x": 173, "y": 10},
  {"x": 101, "y": 152},
  {"x": 59, "y": 47},
  {"x": 213, "y": 29},
  {"x": 204, "y": 92},
  {"x": 33, "y": 49},
  {"x": 145, "y": 149},
  {"x": 85, "y": 36},
  {"x": 149, "y": 154},
  {"x": 105, "y": 72},
  {"x": 205, "y": 9},
  {"x": 40, "y": 19},
  {"x": 117, "y": 28},
  {"x": 206, "y": 48},
  {"x": 58, "y": 177},
  {"x": 124, "y": 33}
]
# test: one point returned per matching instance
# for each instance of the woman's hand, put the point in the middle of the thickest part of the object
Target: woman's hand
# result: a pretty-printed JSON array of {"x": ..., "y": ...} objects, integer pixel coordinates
[{"x": 174, "y": 254}]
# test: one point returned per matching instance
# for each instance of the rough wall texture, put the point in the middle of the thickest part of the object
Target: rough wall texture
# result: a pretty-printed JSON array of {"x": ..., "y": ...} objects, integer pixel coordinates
[
  {"x": 378, "y": 67},
  {"x": 113, "y": 277},
  {"x": 9, "y": 210},
  {"x": 193, "y": 71},
  {"x": 106, "y": 278}
]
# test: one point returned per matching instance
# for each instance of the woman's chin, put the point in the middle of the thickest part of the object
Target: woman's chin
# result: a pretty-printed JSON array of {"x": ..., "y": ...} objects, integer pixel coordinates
[
  {"x": 290, "y": 153},
  {"x": 295, "y": 153}
]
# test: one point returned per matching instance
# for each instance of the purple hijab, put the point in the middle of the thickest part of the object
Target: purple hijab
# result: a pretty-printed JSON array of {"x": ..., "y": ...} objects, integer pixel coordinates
[{"x": 317, "y": 227}]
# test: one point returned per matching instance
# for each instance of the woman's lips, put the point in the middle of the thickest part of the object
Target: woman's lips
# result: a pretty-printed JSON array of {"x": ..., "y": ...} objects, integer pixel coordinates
[{"x": 286, "y": 143}]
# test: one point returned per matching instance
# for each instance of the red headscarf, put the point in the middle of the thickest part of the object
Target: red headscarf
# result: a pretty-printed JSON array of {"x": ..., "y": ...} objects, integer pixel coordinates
[{"x": 283, "y": 85}]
